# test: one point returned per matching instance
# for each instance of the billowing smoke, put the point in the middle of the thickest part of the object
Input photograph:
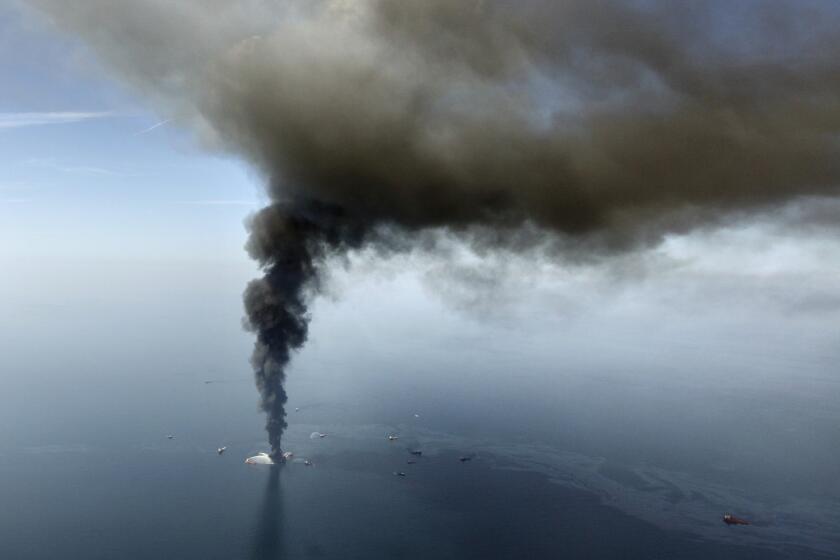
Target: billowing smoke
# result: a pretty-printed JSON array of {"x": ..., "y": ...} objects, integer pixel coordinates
[
  {"x": 604, "y": 125},
  {"x": 289, "y": 242}
]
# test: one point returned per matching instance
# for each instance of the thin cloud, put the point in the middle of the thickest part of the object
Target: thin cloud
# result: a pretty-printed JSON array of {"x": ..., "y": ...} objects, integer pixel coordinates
[
  {"x": 90, "y": 169},
  {"x": 49, "y": 163},
  {"x": 221, "y": 202},
  {"x": 22, "y": 120},
  {"x": 14, "y": 186}
]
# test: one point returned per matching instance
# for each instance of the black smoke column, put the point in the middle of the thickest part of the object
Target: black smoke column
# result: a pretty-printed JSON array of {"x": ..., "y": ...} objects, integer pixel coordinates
[{"x": 290, "y": 241}]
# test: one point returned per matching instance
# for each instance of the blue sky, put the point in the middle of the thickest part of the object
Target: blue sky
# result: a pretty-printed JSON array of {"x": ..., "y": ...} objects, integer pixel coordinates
[{"x": 85, "y": 171}]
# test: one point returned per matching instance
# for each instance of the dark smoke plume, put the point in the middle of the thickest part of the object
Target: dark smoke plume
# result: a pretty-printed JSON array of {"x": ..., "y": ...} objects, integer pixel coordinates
[
  {"x": 602, "y": 124},
  {"x": 289, "y": 242}
]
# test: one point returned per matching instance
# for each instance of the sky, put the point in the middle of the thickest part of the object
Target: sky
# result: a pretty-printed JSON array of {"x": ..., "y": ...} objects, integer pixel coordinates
[
  {"x": 90, "y": 175},
  {"x": 88, "y": 171}
]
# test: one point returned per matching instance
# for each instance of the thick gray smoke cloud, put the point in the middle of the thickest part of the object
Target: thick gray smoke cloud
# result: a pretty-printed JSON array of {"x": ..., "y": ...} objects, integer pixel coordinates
[{"x": 605, "y": 124}]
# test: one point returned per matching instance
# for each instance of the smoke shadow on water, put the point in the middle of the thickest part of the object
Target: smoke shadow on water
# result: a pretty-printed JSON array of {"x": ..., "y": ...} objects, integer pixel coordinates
[{"x": 268, "y": 533}]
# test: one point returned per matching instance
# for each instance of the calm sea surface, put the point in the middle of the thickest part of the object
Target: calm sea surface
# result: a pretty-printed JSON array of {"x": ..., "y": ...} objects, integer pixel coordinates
[{"x": 632, "y": 457}]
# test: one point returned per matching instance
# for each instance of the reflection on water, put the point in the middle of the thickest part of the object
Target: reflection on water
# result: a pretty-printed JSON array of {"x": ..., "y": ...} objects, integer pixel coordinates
[{"x": 269, "y": 530}]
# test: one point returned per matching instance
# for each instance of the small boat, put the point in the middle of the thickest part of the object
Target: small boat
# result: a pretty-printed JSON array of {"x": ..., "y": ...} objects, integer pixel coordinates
[{"x": 730, "y": 519}]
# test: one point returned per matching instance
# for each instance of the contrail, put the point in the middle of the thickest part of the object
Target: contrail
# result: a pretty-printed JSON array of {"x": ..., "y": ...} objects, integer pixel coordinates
[
  {"x": 603, "y": 125},
  {"x": 151, "y": 128},
  {"x": 27, "y": 119}
]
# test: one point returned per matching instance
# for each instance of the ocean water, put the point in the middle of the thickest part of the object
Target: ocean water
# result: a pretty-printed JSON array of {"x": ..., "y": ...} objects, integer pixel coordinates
[{"x": 633, "y": 457}]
